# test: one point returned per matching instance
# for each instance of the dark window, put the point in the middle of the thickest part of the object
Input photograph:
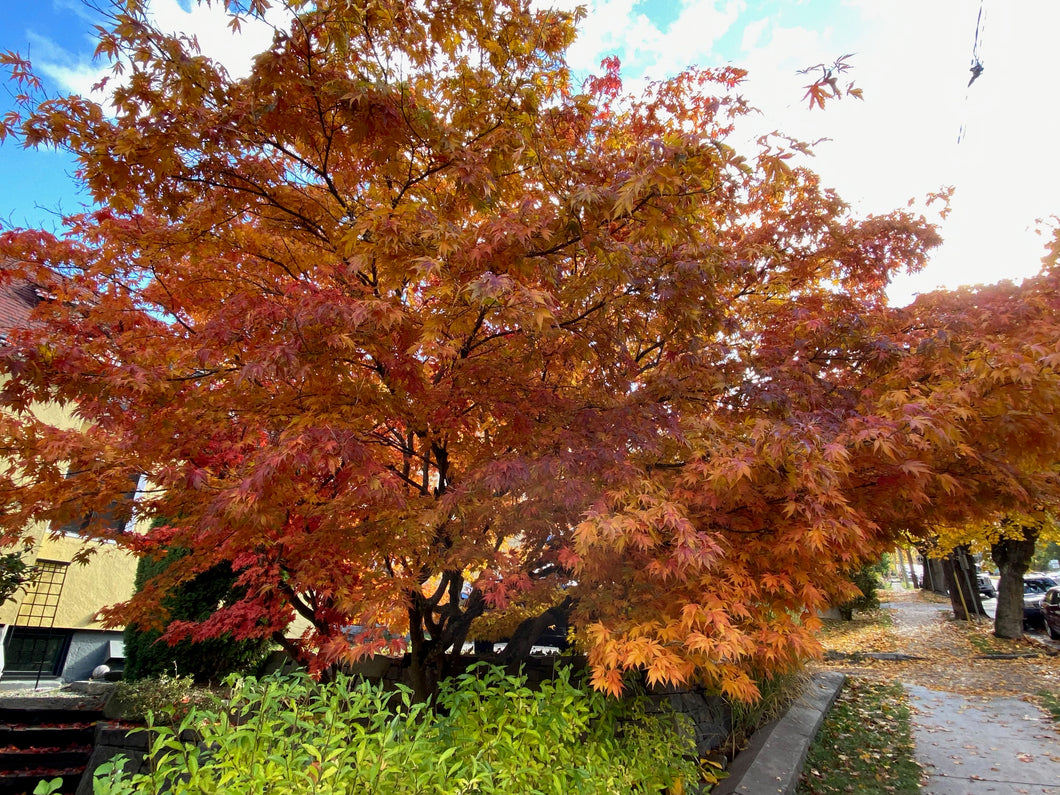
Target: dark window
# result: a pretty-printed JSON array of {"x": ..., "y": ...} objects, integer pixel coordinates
[
  {"x": 32, "y": 646},
  {"x": 116, "y": 516},
  {"x": 36, "y": 651}
]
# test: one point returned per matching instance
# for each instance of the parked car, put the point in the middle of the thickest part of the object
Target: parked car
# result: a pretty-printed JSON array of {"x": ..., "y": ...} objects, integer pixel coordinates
[
  {"x": 1051, "y": 611},
  {"x": 986, "y": 588},
  {"x": 1034, "y": 590}
]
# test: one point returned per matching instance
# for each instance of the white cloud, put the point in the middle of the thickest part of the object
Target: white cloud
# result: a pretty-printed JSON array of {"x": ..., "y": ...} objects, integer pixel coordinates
[
  {"x": 648, "y": 51},
  {"x": 752, "y": 34},
  {"x": 72, "y": 73},
  {"x": 912, "y": 60},
  {"x": 697, "y": 29},
  {"x": 208, "y": 24},
  {"x": 77, "y": 79}
]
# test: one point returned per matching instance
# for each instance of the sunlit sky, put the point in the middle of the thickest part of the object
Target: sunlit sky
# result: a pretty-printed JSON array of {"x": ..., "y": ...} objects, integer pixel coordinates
[{"x": 910, "y": 57}]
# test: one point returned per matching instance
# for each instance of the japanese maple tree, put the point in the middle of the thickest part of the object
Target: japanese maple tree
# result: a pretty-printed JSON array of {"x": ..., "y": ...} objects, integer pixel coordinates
[{"x": 414, "y": 329}]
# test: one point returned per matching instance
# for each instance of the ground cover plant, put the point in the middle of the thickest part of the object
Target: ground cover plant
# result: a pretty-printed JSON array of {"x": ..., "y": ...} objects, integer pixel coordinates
[
  {"x": 980, "y": 635},
  {"x": 1051, "y": 702},
  {"x": 167, "y": 698},
  {"x": 865, "y": 744},
  {"x": 870, "y": 631},
  {"x": 488, "y": 733}
]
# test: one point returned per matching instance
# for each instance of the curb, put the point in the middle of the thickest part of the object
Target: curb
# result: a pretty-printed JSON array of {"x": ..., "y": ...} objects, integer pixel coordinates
[{"x": 773, "y": 759}]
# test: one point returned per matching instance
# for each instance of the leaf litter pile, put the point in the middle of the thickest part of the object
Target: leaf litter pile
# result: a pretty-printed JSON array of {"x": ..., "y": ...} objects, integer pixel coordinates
[{"x": 955, "y": 656}]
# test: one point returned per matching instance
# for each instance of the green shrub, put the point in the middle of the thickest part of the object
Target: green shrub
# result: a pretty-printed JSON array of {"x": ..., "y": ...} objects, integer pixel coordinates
[
  {"x": 15, "y": 573},
  {"x": 868, "y": 581},
  {"x": 161, "y": 700},
  {"x": 489, "y": 733},
  {"x": 146, "y": 656}
]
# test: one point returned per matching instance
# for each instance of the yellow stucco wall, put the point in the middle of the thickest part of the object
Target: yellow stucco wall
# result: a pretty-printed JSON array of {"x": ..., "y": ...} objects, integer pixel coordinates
[{"x": 107, "y": 578}]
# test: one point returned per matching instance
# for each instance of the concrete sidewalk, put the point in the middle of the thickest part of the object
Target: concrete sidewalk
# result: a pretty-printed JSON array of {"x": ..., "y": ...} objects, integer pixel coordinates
[
  {"x": 973, "y": 745},
  {"x": 972, "y": 731}
]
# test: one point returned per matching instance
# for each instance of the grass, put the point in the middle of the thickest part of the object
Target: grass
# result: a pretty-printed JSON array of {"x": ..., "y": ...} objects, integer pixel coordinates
[
  {"x": 865, "y": 744},
  {"x": 980, "y": 634},
  {"x": 987, "y": 644},
  {"x": 1051, "y": 702}
]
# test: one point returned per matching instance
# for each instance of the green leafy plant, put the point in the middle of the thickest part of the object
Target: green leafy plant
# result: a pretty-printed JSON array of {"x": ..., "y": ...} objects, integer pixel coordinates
[
  {"x": 46, "y": 787},
  {"x": 868, "y": 580},
  {"x": 165, "y": 699},
  {"x": 15, "y": 573},
  {"x": 488, "y": 732},
  {"x": 1044, "y": 554}
]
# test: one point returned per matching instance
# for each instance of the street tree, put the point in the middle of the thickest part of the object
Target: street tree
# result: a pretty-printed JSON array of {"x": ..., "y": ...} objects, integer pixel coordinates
[
  {"x": 1010, "y": 540},
  {"x": 993, "y": 357},
  {"x": 413, "y": 329}
]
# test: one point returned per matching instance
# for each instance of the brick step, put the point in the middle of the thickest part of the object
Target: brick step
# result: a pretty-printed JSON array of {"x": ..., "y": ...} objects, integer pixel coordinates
[
  {"x": 54, "y": 756},
  {"x": 12, "y": 737},
  {"x": 23, "y": 782},
  {"x": 48, "y": 717},
  {"x": 42, "y": 744}
]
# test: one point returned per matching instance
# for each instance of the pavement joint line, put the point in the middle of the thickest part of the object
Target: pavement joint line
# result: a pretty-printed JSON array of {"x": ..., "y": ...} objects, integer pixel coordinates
[
  {"x": 985, "y": 780},
  {"x": 776, "y": 753}
]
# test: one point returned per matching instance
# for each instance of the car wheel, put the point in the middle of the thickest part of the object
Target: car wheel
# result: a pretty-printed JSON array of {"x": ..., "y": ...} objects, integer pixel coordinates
[{"x": 1054, "y": 634}]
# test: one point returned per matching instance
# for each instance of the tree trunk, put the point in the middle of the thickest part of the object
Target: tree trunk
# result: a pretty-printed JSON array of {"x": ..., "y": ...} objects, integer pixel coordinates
[
  {"x": 912, "y": 570},
  {"x": 971, "y": 579},
  {"x": 959, "y": 570},
  {"x": 522, "y": 640},
  {"x": 426, "y": 656},
  {"x": 439, "y": 624},
  {"x": 426, "y": 670},
  {"x": 901, "y": 567},
  {"x": 1013, "y": 558},
  {"x": 954, "y": 590},
  {"x": 934, "y": 576}
]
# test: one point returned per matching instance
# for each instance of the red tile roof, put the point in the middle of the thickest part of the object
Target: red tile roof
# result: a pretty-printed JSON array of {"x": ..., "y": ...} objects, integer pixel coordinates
[{"x": 18, "y": 297}]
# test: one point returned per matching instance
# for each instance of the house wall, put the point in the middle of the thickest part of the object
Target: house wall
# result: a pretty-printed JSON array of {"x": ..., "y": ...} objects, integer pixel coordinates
[
  {"x": 105, "y": 580},
  {"x": 88, "y": 649},
  {"x": 106, "y": 577}
]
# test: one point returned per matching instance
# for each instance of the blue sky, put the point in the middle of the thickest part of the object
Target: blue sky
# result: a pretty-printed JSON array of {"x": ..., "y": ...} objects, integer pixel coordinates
[
  {"x": 46, "y": 30},
  {"x": 911, "y": 59}
]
